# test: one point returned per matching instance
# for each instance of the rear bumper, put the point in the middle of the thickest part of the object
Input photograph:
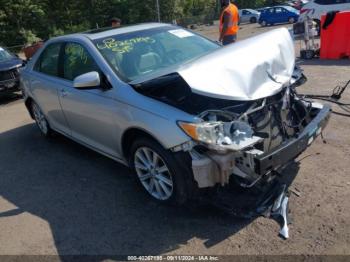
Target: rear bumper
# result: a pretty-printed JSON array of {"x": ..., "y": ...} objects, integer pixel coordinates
[{"x": 291, "y": 149}]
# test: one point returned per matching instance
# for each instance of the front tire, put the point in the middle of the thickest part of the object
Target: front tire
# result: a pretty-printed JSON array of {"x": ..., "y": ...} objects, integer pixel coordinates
[
  {"x": 263, "y": 23},
  {"x": 291, "y": 20},
  {"x": 159, "y": 172},
  {"x": 40, "y": 120}
]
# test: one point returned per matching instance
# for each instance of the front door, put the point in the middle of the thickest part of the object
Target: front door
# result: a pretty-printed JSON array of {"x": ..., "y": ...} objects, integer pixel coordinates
[{"x": 90, "y": 113}]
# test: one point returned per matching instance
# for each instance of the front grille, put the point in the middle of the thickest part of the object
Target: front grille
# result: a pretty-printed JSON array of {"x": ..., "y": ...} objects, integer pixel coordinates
[{"x": 8, "y": 75}]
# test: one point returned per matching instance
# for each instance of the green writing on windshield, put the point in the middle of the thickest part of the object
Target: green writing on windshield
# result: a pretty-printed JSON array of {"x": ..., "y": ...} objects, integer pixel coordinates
[{"x": 125, "y": 46}]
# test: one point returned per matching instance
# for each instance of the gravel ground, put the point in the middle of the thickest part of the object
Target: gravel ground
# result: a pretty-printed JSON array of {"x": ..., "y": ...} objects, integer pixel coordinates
[{"x": 57, "y": 197}]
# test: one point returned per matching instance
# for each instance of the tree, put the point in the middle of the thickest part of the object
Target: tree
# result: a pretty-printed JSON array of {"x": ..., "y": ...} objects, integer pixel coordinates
[{"x": 22, "y": 21}]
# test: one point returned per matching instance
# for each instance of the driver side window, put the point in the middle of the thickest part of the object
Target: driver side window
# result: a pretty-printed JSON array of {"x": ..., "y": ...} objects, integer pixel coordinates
[
  {"x": 77, "y": 61},
  {"x": 278, "y": 10}
]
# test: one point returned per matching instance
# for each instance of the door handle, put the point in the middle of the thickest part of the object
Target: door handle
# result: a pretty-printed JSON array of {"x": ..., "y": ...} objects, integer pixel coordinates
[{"x": 64, "y": 93}]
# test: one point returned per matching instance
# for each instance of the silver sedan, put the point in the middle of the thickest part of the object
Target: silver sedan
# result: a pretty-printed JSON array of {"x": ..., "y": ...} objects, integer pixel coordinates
[
  {"x": 248, "y": 16},
  {"x": 183, "y": 112}
]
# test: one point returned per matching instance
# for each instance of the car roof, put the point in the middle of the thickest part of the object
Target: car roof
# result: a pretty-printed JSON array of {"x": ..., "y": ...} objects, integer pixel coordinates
[
  {"x": 248, "y": 9},
  {"x": 109, "y": 31},
  {"x": 123, "y": 30},
  {"x": 289, "y": 8}
]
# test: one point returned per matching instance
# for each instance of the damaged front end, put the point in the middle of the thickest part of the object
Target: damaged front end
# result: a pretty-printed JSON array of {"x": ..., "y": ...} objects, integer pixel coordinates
[
  {"x": 249, "y": 122},
  {"x": 248, "y": 143},
  {"x": 252, "y": 143}
]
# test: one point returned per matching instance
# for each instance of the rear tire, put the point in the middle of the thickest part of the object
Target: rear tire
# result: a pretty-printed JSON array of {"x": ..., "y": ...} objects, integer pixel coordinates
[
  {"x": 263, "y": 23},
  {"x": 41, "y": 120},
  {"x": 159, "y": 172}
]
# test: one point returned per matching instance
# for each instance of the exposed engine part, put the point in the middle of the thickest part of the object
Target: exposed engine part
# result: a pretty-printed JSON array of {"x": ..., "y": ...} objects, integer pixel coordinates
[
  {"x": 252, "y": 109},
  {"x": 218, "y": 115}
]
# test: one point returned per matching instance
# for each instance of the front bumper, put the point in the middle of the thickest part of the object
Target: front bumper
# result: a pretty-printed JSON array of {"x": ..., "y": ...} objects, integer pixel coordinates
[
  {"x": 213, "y": 167},
  {"x": 294, "y": 147},
  {"x": 10, "y": 85}
]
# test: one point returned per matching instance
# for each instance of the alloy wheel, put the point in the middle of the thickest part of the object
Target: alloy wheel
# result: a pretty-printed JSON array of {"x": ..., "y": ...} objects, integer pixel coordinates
[{"x": 153, "y": 173}]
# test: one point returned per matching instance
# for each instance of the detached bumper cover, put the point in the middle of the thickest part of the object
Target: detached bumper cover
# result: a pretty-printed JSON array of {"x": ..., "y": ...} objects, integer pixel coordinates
[{"x": 290, "y": 150}]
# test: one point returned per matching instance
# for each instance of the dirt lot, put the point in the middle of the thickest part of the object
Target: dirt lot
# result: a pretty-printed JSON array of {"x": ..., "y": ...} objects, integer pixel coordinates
[{"x": 57, "y": 197}]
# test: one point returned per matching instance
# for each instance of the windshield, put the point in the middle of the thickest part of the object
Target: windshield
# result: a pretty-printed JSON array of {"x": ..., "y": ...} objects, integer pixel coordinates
[
  {"x": 291, "y": 9},
  {"x": 4, "y": 55},
  {"x": 136, "y": 54}
]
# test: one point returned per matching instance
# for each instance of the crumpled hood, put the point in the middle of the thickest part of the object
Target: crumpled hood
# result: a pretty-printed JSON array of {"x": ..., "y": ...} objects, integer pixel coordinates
[{"x": 247, "y": 70}]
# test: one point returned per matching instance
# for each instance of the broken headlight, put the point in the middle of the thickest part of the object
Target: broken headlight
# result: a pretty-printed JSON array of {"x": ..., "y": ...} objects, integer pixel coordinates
[
  {"x": 206, "y": 132},
  {"x": 235, "y": 135}
]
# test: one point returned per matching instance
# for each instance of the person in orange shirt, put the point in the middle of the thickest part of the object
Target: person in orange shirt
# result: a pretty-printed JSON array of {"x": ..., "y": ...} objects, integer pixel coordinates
[{"x": 228, "y": 23}]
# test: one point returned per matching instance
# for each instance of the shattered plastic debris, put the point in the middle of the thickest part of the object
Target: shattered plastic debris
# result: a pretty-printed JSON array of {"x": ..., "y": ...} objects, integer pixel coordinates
[
  {"x": 281, "y": 215},
  {"x": 273, "y": 204}
]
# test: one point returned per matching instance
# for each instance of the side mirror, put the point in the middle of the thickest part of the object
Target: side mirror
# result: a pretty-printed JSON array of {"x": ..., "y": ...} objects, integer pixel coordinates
[{"x": 89, "y": 80}]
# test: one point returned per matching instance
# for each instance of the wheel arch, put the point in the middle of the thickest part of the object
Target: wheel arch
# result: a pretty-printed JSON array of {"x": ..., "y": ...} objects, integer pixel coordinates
[{"x": 130, "y": 135}]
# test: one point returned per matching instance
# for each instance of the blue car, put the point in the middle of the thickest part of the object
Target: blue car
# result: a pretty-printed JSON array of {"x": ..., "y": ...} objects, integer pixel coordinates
[{"x": 278, "y": 15}]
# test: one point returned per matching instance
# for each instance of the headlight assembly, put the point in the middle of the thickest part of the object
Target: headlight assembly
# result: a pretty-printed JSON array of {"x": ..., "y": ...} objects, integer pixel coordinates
[{"x": 235, "y": 135}]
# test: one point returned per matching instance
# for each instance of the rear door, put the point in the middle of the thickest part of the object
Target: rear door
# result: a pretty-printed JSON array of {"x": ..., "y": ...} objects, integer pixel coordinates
[
  {"x": 46, "y": 84},
  {"x": 91, "y": 113}
]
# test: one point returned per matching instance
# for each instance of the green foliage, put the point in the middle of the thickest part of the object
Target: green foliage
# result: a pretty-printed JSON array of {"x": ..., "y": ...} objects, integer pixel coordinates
[
  {"x": 28, "y": 36},
  {"x": 24, "y": 21}
]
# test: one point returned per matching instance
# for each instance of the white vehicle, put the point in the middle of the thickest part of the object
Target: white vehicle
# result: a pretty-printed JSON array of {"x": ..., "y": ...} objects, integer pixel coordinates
[{"x": 316, "y": 8}]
